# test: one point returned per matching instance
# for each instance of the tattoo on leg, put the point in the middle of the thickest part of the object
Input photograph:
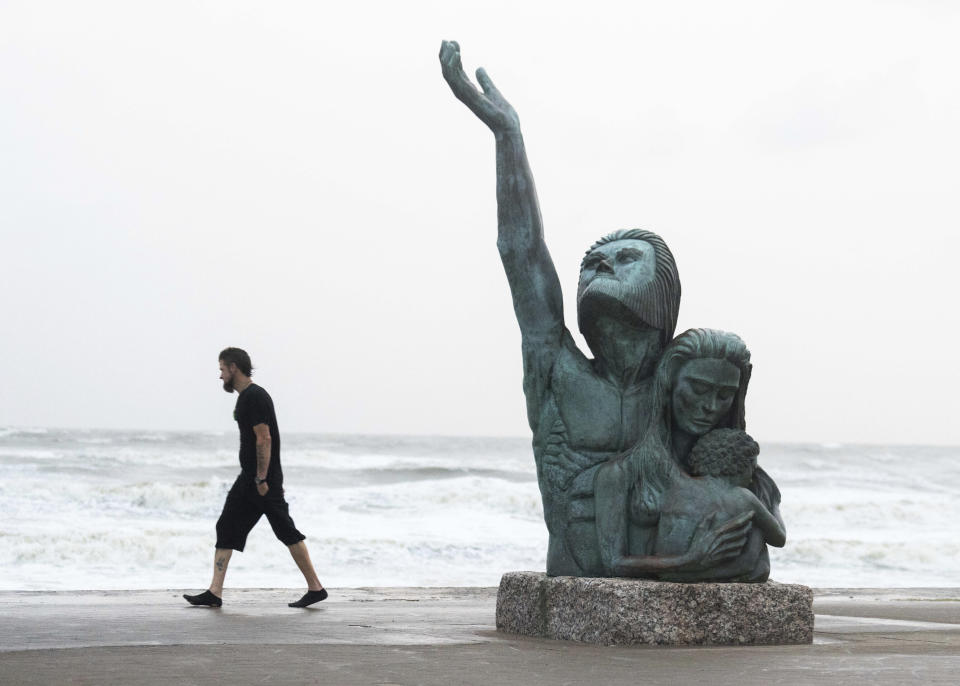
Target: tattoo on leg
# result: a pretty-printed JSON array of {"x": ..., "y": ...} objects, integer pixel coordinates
[{"x": 220, "y": 563}]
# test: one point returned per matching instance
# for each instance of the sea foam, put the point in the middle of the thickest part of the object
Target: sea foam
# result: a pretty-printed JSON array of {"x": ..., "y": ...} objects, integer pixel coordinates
[{"x": 106, "y": 510}]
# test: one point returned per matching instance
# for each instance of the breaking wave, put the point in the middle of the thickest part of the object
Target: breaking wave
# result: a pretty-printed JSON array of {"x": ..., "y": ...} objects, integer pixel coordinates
[{"x": 100, "y": 510}]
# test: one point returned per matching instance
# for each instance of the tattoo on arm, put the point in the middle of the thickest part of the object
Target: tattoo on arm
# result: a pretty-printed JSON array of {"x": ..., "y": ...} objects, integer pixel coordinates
[
  {"x": 263, "y": 458},
  {"x": 262, "y": 432}
]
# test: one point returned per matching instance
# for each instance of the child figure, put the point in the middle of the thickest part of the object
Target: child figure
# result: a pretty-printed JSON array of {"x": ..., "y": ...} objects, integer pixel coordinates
[{"x": 721, "y": 466}]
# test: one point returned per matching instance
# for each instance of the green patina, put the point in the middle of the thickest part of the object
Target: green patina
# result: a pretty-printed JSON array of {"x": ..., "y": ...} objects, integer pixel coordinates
[{"x": 613, "y": 435}]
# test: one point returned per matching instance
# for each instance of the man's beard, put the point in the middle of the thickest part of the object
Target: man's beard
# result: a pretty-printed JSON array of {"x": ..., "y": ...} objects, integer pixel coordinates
[
  {"x": 228, "y": 385},
  {"x": 609, "y": 297}
]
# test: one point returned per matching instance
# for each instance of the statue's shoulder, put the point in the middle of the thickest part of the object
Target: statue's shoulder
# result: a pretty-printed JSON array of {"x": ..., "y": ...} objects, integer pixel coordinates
[
  {"x": 544, "y": 360},
  {"x": 570, "y": 359}
]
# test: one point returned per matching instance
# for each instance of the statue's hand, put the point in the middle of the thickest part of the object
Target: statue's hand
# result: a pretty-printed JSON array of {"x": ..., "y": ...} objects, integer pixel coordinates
[
  {"x": 490, "y": 106},
  {"x": 712, "y": 544}
]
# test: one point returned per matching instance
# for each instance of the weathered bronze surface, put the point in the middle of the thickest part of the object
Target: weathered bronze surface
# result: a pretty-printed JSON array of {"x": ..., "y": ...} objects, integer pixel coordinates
[{"x": 613, "y": 436}]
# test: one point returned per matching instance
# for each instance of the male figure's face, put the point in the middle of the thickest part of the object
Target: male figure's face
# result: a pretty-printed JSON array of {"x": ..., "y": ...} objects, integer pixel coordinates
[
  {"x": 616, "y": 275},
  {"x": 703, "y": 394},
  {"x": 226, "y": 375}
]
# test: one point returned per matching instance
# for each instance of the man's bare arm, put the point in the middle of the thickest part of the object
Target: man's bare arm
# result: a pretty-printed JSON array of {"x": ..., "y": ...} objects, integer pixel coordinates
[
  {"x": 537, "y": 299},
  {"x": 264, "y": 446}
]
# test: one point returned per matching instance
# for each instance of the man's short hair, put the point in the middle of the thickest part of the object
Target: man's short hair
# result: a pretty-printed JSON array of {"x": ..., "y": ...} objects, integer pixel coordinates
[
  {"x": 238, "y": 357},
  {"x": 724, "y": 452}
]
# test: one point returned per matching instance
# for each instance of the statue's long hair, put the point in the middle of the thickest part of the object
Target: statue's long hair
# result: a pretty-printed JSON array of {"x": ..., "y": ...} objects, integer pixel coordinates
[{"x": 652, "y": 462}]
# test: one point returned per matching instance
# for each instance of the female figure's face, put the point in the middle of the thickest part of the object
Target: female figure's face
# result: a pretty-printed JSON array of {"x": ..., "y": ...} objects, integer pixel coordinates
[{"x": 703, "y": 394}]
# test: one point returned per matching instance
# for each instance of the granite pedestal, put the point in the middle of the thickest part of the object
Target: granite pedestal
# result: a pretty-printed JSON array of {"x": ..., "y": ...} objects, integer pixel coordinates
[{"x": 636, "y": 611}]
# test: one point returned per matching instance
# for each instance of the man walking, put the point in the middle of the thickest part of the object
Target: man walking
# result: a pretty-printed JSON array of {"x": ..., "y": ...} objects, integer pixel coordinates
[{"x": 259, "y": 488}]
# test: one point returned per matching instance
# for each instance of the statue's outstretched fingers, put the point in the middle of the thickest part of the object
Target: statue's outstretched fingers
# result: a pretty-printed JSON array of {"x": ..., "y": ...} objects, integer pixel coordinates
[
  {"x": 741, "y": 531},
  {"x": 727, "y": 547},
  {"x": 491, "y": 91},
  {"x": 727, "y": 551},
  {"x": 741, "y": 521},
  {"x": 450, "y": 63},
  {"x": 449, "y": 52},
  {"x": 733, "y": 532},
  {"x": 454, "y": 75},
  {"x": 486, "y": 83}
]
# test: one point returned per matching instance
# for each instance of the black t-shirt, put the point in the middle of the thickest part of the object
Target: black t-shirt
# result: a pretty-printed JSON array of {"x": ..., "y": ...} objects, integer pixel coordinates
[{"x": 254, "y": 406}]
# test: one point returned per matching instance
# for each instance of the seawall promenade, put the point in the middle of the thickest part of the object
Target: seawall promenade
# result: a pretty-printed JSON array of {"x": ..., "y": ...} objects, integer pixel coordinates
[{"x": 441, "y": 636}]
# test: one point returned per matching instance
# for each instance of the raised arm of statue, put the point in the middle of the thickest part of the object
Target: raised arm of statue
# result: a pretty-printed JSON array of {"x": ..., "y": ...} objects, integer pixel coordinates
[{"x": 537, "y": 300}]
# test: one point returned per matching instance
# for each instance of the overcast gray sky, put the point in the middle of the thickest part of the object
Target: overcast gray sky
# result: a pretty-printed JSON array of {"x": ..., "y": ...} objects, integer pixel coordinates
[{"x": 296, "y": 179}]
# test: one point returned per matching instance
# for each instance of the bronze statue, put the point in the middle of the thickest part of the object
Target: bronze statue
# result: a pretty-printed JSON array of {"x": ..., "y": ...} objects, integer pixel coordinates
[
  {"x": 583, "y": 412},
  {"x": 642, "y": 529}
]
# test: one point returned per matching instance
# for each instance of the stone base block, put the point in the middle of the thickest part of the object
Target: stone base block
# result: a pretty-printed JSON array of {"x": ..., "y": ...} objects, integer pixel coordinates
[{"x": 635, "y": 611}]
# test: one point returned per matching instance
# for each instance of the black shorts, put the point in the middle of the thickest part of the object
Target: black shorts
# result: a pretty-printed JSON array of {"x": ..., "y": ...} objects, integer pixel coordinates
[{"x": 243, "y": 509}]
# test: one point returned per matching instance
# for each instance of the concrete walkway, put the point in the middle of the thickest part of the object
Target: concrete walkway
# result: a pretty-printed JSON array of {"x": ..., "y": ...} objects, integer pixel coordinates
[{"x": 442, "y": 636}]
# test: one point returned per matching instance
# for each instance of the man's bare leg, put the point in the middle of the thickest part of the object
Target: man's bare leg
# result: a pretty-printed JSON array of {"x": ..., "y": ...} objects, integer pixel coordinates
[
  {"x": 213, "y": 596},
  {"x": 221, "y": 558},
  {"x": 302, "y": 557},
  {"x": 315, "y": 590}
]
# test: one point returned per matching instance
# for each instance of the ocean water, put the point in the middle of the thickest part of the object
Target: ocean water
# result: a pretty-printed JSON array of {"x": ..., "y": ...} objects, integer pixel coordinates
[{"x": 134, "y": 510}]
